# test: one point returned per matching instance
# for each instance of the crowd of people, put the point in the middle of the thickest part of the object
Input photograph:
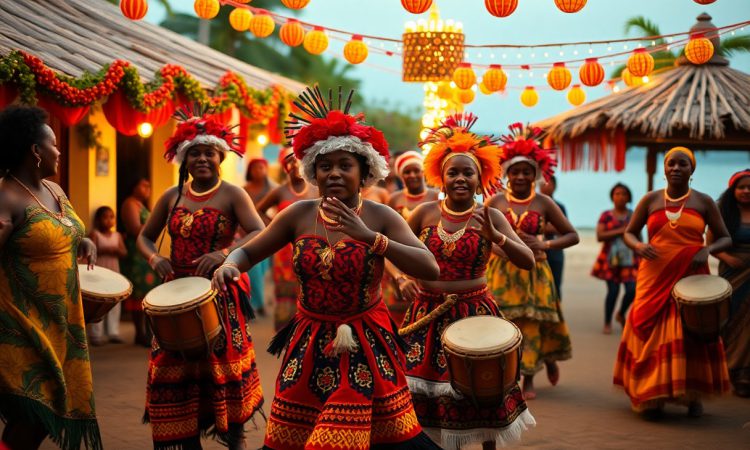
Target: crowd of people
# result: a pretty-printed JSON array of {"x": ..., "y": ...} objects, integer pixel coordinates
[{"x": 366, "y": 281}]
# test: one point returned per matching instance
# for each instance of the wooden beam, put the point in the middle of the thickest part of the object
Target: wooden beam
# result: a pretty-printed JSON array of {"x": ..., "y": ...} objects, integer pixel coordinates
[{"x": 651, "y": 166}]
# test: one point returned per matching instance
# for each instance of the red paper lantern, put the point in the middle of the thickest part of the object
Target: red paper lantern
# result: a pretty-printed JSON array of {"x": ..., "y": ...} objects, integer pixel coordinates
[
  {"x": 640, "y": 63},
  {"x": 292, "y": 33},
  {"x": 8, "y": 94},
  {"x": 68, "y": 115},
  {"x": 355, "y": 51},
  {"x": 416, "y": 6},
  {"x": 559, "y": 77},
  {"x": 704, "y": 2},
  {"x": 570, "y": 6},
  {"x": 295, "y": 4},
  {"x": 699, "y": 50},
  {"x": 591, "y": 72},
  {"x": 134, "y": 9},
  {"x": 495, "y": 78},
  {"x": 121, "y": 115},
  {"x": 464, "y": 76},
  {"x": 501, "y": 8}
]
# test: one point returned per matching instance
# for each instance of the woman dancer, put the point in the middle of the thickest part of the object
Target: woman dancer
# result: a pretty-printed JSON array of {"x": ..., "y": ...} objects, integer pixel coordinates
[
  {"x": 220, "y": 392},
  {"x": 657, "y": 361},
  {"x": 285, "y": 281},
  {"x": 460, "y": 233},
  {"x": 341, "y": 383},
  {"x": 529, "y": 298},
  {"x": 616, "y": 263},
  {"x": 45, "y": 374}
]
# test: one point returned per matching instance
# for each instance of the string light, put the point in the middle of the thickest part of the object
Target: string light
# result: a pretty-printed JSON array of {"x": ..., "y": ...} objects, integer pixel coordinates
[{"x": 591, "y": 50}]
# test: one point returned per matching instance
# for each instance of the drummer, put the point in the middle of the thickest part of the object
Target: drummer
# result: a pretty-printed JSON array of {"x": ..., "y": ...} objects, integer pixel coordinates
[
  {"x": 222, "y": 391},
  {"x": 460, "y": 233},
  {"x": 657, "y": 362}
]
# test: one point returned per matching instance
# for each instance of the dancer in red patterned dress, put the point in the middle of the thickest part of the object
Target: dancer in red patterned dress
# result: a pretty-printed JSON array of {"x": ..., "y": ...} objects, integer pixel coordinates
[
  {"x": 342, "y": 383},
  {"x": 219, "y": 393},
  {"x": 460, "y": 233}
]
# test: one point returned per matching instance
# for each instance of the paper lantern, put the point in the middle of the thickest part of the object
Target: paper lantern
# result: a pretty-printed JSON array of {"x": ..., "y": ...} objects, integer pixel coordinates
[
  {"x": 699, "y": 50},
  {"x": 355, "y": 51},
  {"x": 432, "y": 55},
  {"x": 501, "y": 8},
  {"x": 495, "y": 78},
  {"x": 570, "y": 6},
  {"x": 464, "y": 76},
  {"x": 704, "y": 2},
  {"x": 640, "y": 63},
  {"x": 591, "y": 72},
  {"x": 416, "y": 6},
  {"x": 559, "y": 77},
  {"x": 134, "y": 9},
  {"x": 444, "y": 91},
  {"x": 295, "y": 4},
  {"x": 316, "y": 41},
  {"x": 529, "y": 97},
  {"x": 261, "y": 24},
  {"x": 483, "y": 89},
  {"x": 206, "y": 9},
  {"x": 292, "y": 33},
  {"x": 630, "y": 80},
  {"x": 121, "y": 115},
  {"x": 240, "y": 19},
  {"x": 465, "y": 96},
  {"x": 68, "y": 115},
  {"x": 576, "y": 95}
]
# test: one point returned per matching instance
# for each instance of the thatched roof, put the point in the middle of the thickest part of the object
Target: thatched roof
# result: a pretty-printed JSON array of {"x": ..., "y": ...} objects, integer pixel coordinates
[{"x": 74, "y": 36}]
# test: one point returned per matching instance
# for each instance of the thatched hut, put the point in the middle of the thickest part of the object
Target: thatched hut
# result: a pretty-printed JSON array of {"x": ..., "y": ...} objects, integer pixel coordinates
[{"x": 702, "y": 107}]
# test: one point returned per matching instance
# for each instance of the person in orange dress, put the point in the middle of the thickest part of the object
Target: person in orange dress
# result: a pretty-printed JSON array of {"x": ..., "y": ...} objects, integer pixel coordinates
[{"x": 657, "y": 360}]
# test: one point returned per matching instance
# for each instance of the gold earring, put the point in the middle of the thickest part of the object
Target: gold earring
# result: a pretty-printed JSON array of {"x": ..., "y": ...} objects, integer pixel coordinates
[{"x": 38, "y": 161}]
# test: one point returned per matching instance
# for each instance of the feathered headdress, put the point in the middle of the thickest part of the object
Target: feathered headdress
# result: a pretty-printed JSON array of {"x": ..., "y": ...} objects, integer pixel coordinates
[
  {"x": 320, "y": 129},
  {"x": 523, "y": 144},
  {"x": 454, "y": 137},
  {"x": 196, "y": 126}
]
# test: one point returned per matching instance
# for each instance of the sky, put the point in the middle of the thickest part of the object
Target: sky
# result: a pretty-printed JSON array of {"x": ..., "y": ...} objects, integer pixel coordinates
[{"x": 533, "y": 22}]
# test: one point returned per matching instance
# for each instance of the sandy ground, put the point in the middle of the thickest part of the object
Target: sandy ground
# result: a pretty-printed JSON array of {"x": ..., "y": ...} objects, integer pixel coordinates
[{"x": 584, "y": 411}]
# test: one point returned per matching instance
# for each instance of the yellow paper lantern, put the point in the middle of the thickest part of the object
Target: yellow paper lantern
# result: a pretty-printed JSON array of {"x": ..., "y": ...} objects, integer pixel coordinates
[
  {"x": 501, "y": 8},
  {"x": 316, "y": 41},
  {"x": 416, "y": 6},
  {"x": 465, "y": 96},
  {"x": 355, "y": 51},
  {"x": 576, "y": 95},
  {"x": 444, "y": 90},
  {"x": 206, "y": 9},
  {"x": 559, "y": 76},
  {"x": 591, "y": 72},
  {"x": 529, "y": 97},
  {"x": 699, "y": 50},
  {"x": 640, "y": 63},
  {"x": 483, "y": 89},
  {"x": 262, "y": 24},
  {"x": 292, "y": 33},
  {"x": 630, "y": 80},
  {"x": 240, "y": 18},
  {"x": 295, "y": 4},
  {"x": 464, "y": 76},
  {"x": 134, "y": 9},
  {"x": 495, "y": 78},
  {"x": 570, "y": 6}
]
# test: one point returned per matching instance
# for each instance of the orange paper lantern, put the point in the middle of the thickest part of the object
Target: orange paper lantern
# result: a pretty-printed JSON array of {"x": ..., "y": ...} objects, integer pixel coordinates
[
  {"x": 355, "y": 51},
  {"x": 416, "y": 6},
  {"x": 240, "y": 19},
  {"x": 206, "y": 9},
  {"x": 292, "y": 33},
  {"x": 262, "y": 24},
  {"x": 591, "y": 72},
  {"x": 465, "y": 96},
  {"x": 295, "y": 4},
  {"x": 630, "y": 80},
  {"x": 501, "y": 8},
  {"x": 699, "y": 50},
  {"x": 559, "y": 77},
  {"x": 570, "y": 6},
  {"x": 704, "y": 2},
  {"x": 495, "y": 78},
  {"x": 529, "y": 97},
  {"x": 640, "y": 63},
  {"x": 316, "y": 41},
  {"x": 576, "y": 95},
  {"x": 444, "y": 90},
  {"x": 464, "y": 76},
  {"x": 134, "y": 9}
]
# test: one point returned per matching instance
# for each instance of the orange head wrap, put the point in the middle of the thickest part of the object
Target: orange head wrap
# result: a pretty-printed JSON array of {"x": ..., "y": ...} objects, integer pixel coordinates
[{"x": 683, "y": 150}]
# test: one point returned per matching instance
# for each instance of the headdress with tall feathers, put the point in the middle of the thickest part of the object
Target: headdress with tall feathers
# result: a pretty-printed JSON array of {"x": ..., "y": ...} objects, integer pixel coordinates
[
  {"x": 318, "y": 129},
  {"x": 523, "y": 144},
  {"x": 197, "y": 125}
]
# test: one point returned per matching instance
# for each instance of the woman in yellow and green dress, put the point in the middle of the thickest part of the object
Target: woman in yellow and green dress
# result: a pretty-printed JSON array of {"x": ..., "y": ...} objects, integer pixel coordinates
[
  {"x": 45, "y": 374},
  {"x": 529, "y": 298}
]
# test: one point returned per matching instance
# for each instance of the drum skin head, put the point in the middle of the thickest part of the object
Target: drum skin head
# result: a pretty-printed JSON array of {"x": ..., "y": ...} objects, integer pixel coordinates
[
  {"x": 102, "y": 282},
  {"x": 702, "y": 289},
  {"x": 481, "y": 335},
  {"x": 178, "y": 292}
]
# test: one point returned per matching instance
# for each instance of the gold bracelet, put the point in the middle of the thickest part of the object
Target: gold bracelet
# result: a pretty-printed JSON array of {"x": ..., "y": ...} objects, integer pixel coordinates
[
  {"x": 547, "y": 245},
  {"x": 503, "y": 240}
]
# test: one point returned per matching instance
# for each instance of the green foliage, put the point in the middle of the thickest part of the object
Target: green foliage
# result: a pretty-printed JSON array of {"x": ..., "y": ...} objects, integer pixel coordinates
[{"x": 733, "y": 45}]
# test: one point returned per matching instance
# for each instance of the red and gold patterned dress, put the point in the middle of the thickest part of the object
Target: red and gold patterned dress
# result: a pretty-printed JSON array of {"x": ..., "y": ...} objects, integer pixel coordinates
[
  {"x": 186, "y": 398},
  {"x": 448, "y": 416},
  {"x": 285, "y": 282},
  {"x": 355, "y": 400},
  {"x": 609, "y": 265}
]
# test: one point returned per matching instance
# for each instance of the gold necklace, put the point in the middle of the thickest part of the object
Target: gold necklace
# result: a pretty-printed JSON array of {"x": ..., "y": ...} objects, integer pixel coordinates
[
  {"x": 450, "y": 239},
  {"x": 444, "y": 207},
  {"x": 511, "y": 200},
  {"x": 328, "y": 253},
  {"x": 198, "y": 196},
  {"x": 676, "y": 200},
  {"x": 673, "y": 217},
  {"x": 59, "y": 216},
  {"x": 509, "y": 196},
  {"x": 333, "y": 222}
]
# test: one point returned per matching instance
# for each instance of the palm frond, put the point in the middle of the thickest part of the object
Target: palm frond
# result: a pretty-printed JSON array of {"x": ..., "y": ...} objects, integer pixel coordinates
[
  {"x": 734, "y": 45},
  {"x": 644, "y": 26}
]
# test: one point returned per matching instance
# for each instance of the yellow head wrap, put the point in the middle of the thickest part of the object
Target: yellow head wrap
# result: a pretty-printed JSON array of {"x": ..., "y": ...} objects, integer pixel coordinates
[{"x": 684, "y": 150}]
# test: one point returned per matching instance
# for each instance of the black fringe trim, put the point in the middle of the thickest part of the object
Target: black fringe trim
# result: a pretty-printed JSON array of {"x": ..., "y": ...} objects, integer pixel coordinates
[
  {"x": 245, "y": 306},
  {"x": 281, "y": 340}
]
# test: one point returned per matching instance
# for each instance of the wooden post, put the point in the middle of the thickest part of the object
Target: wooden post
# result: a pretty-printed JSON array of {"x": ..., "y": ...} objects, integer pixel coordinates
[{"x": 651, "y": 166}]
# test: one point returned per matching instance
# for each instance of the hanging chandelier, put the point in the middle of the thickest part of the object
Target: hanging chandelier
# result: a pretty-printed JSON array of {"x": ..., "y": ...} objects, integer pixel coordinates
[{"x": 433, "y": 48}]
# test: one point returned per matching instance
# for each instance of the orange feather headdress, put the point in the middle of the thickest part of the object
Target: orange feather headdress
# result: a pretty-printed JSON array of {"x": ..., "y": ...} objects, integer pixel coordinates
[{"x": 453, "y": 137}]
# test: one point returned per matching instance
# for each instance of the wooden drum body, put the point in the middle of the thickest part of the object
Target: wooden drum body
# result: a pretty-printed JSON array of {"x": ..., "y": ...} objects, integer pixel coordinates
[
  {"x": 703, "y": 302},
  {"x": 484, "y": 357},
  {"x": 184, "y": 316},
  {"x": 101, "y": 290}
]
